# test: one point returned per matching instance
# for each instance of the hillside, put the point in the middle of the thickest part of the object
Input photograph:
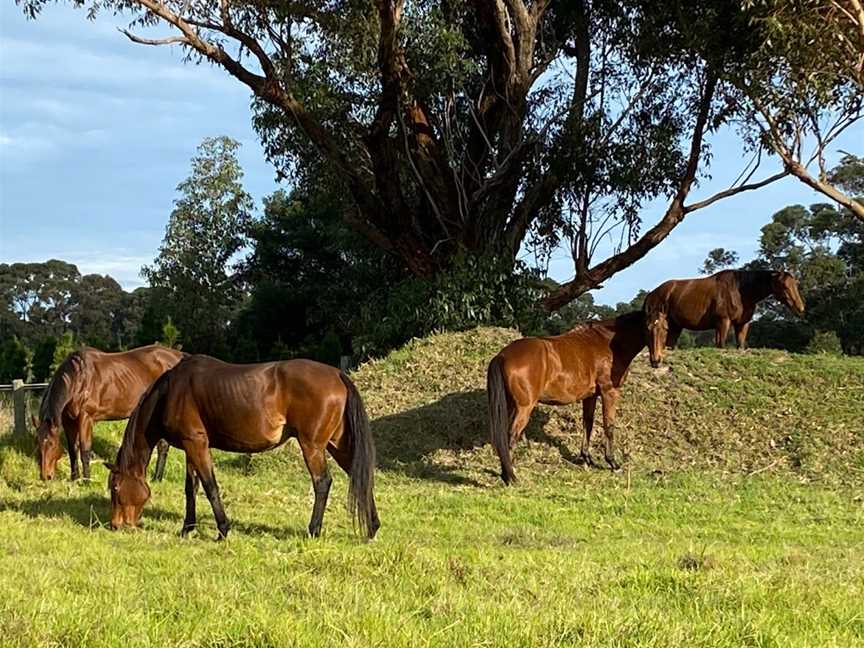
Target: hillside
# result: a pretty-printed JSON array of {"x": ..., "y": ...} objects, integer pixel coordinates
[{"x": 725, "y": 410}]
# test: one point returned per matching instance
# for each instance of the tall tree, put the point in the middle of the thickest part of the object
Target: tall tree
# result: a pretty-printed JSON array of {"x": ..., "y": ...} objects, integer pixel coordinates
[
  {"x": 465, "y": 126},
  {"x": 717, "y": 259},
  {"x": 194, "y": 270}
]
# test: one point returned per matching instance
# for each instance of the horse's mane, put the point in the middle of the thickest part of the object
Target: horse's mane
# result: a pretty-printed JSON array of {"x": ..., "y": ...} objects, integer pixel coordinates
[
  {"x": 753, "y": 281},
  {"x": 615, "y": 323},
  {"x": 59, "y": 389}
]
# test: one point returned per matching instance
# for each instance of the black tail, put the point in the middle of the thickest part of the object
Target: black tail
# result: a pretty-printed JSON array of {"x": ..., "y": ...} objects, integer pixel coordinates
[
  {"x": 499, "y": 418},
  {"x": 361, "y": 500}
]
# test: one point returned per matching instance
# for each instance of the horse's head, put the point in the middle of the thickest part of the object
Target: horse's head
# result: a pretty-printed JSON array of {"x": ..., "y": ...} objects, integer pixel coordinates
[
  {"x": 657, "y": 328},
  {"x": 49, "y": 450},
  {"x": 129, "y": 494},
  {"x": 785, "y": 288}
]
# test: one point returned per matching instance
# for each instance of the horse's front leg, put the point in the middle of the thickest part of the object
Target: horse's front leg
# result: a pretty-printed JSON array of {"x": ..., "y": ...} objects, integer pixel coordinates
[
  {"x": 610, "y": 403},
  {"x": 191, "y": 518},
  {"x": 198, "y": 453},
  {"x": 71, "y": 430}
]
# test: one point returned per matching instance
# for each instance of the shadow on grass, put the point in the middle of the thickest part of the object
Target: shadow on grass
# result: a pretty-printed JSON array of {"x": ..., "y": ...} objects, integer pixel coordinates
[
  {"x": 92, "y": 510},
  {"x": 458, "y": 421}
]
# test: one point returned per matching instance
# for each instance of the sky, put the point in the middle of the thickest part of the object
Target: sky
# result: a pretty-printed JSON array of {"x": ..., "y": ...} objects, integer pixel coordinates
[{"x": 96, "y": 132}]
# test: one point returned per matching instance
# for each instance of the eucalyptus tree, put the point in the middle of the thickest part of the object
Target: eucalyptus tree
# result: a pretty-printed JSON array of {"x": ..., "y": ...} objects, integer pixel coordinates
[{"x": 488, "y": 126}]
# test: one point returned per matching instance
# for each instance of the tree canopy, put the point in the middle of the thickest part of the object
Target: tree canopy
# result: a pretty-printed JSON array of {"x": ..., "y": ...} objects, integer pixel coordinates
[{"x": 478, "y": 127}]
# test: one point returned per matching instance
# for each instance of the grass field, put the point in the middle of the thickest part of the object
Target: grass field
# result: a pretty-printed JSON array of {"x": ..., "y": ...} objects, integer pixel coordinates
[{"x": 738, "y": 520}]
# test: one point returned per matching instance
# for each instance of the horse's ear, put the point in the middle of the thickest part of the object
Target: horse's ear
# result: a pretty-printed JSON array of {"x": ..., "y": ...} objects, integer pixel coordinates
[{"x": 34, "y": 421}]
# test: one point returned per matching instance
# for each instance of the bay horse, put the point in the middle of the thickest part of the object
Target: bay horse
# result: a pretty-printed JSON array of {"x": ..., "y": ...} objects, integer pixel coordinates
[
  {"x": 723, "y": 300},
  {"x": 90, "y": 386},
  {"x": 589, "y": 361},
  {"x": 205, "y": 403}
]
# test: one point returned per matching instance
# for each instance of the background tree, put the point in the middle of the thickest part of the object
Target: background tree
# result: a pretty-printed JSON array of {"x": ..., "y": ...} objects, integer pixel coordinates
[
  {"x": 805, "y": 85},
  {"x": 194, "y": 270},
  {"x": 824, "y": 247},
  {"x": 717, "y": 259},
  {"x": 461, "y": 127}
]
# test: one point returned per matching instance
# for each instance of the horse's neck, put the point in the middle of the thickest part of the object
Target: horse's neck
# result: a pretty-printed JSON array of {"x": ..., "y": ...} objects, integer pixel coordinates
[
  {"x": 630, "y": 342},
  {"x": 135, "y": 459}
]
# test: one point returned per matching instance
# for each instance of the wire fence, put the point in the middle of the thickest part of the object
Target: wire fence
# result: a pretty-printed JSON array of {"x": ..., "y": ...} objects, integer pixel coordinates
[{"x": 23, "y": 399}]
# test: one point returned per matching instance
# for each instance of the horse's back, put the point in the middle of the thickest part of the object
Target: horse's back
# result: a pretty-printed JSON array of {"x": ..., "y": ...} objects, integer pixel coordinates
[
  {"x": 555, "y": 369},
  {"x": 688, "y": 303},
  {"x": 252, "y": 407}
]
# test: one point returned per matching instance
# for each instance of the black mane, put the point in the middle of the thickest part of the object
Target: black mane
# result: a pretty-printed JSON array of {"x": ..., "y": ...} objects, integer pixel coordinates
[{"x": 61, "y": 387}]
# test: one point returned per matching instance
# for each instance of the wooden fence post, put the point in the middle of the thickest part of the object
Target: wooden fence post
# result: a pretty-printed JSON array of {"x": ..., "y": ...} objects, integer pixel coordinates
[{"x": 19, "y": 399}]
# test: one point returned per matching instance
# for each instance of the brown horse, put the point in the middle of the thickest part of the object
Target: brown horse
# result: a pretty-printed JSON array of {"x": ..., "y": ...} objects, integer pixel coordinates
[
  {"x": 90, "y": 386},
  {"x": 205, "y": 403},
  {"x": 591, "y": 360},
  {"x": 725, "y": 299}
]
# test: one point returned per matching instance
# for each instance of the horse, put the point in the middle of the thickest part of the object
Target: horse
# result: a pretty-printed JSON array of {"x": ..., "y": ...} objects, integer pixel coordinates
[
  {"x": 725, "y": 299},
  {"x": 89, "y": 386},
  {"x": 591, "y": 360},
  {"x": 204, "y": 403}
]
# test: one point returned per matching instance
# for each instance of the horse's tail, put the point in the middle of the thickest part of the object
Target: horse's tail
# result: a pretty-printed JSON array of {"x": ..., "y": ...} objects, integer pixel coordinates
[
  {"x": 361, "y": 499},
  {"x": 499, "y": 417}
]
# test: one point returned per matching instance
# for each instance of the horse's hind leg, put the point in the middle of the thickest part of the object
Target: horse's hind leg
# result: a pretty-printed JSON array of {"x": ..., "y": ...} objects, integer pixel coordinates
[
  {"x": 589, "y": 406},
  {"x": 161, "y": 457},
  {"x": 521, "y": 416},
  {"x": 191, "y": 518},
  {"x": 199, "y": 455},
  {"x": 721, "y": 333},
  {"x": 610, "y": 403},
  {"x": 316, "y": 462},
  {"x": 85, "y": 443}
]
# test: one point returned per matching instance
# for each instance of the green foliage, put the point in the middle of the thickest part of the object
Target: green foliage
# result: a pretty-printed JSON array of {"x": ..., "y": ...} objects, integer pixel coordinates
[
  {"x": 65, "y": 345},
  {"x": 194, "y": 268},
  {"x": 170, "y": 334},
  {"x": 43, "y": 359},
  {"x": 473, "y": 291},
  {"x": 14, "y": 360},
  {"x": 825, "y": 342}
]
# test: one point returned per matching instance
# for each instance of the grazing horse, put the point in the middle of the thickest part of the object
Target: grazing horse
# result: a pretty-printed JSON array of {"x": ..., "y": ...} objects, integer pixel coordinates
[
  {"x": 205, "y": 403},
  {"x": 591, "y": 360},
  {"x": 90, "y": 386},
  {"x": 725, "y": 299}
]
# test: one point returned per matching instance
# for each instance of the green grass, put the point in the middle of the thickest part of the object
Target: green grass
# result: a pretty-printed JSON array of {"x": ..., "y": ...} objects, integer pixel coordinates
[{"x": 737, "y": 521}]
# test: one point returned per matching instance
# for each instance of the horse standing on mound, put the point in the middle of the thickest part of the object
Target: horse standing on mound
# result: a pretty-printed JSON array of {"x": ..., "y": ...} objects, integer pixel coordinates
[
  {"x": 723, "y": 300},
  {"x": 589, "y": 361},
  {"x": 205, "y": 403},
  {"x": 90, "y": 386}
]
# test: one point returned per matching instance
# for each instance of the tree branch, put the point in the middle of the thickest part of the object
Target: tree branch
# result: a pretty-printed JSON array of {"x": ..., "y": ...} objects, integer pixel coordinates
[{"x": 674, "y": 215}]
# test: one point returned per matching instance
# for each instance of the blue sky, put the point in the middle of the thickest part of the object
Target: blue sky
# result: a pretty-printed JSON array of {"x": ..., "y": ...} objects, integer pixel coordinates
[{"x": 96, "y": 133}]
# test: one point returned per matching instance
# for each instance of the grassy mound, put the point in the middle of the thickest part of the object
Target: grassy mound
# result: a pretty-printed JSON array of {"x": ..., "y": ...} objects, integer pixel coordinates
[
  {"x": 729, "y": 411},
  {"x": 737, "y": 521}
]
